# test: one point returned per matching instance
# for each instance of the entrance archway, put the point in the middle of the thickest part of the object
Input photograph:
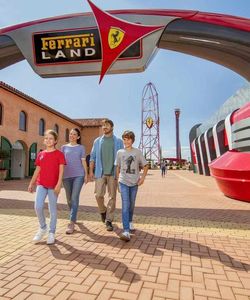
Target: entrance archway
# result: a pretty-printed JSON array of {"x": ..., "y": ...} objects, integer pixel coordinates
[
  {"x": 32, "y": 158},
  {"x": 219, "y": 38},
  {"x": 6, "y": 164},
  {"x": 18, "y": 159}
]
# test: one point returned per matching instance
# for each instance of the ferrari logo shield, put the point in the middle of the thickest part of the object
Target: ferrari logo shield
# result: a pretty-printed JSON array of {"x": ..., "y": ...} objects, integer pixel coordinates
[
  {"x": 149, "y": 122},
  {"x": 115, "y": 37}
]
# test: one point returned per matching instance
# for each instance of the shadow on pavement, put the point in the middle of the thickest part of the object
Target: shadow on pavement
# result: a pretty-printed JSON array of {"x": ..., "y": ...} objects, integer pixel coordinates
[
  {"x": 95, "y": 261},
  {"x": 229, "y": 218},
  {"x": 151, "y": 244}
]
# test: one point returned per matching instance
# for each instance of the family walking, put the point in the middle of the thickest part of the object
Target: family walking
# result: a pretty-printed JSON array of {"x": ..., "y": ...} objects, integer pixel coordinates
[{"x": 114, "y": 163}]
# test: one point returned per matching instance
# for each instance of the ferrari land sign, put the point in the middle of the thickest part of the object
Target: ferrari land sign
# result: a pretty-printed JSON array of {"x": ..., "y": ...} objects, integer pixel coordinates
[{"x": 75, "y": 46}]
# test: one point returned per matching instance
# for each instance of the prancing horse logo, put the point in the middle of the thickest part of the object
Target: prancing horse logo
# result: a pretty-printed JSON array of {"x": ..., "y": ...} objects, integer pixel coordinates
[
  {"x": 149, "y": 122},
  {"x": 115, "y": 37}
]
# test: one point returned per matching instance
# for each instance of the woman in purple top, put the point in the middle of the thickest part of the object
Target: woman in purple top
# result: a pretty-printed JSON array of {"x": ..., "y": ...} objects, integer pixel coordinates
[{"x": 75, "y": 174}]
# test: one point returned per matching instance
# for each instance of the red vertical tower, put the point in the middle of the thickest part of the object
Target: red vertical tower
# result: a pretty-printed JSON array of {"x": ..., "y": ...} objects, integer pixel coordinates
[
  {"x": 178, "y": 144},
  {"x": 150, "y": 124}
]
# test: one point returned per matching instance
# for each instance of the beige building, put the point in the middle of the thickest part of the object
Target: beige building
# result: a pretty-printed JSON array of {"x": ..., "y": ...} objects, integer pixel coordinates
[{"x": 23, "y": 121}]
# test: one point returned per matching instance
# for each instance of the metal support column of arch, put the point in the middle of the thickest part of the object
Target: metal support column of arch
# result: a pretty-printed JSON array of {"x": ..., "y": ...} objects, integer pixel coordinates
[
  {"x": 222, "y": 137},
  {"x": 228, "y": 129},
  {"x": 216, "y": 141},
  {"x": 204, "y": 155},
  {"x": 198, "y": 156},
  {"x": 192, "y": 137},
  {"x": 207, "y": 147},
  {"x": 210, "y": 146}
]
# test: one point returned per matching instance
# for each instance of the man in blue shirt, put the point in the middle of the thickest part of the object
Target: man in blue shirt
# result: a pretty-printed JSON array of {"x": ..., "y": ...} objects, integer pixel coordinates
[{"x": 102, "y": 159}]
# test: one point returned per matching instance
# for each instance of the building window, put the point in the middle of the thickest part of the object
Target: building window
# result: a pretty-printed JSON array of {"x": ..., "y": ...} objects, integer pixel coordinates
[
  {"x": 56, "y": 128},
  {"x": 67, "y": 135},
  {"x": 22, "y": 121},
  {"x": 1, "y": 114},
  {"x": 41, "y": 127}
]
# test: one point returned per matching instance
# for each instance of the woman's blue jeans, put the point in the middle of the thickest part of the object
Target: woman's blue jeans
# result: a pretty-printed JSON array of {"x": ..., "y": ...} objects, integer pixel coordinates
[
  {"x": 128, "y": 194},
  {"x": 73, "y": 188},
  {"x": 41, "y": 194}
]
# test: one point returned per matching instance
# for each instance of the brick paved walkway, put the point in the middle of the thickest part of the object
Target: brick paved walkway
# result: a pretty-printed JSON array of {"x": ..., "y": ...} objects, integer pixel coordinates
[{"x": 191, "y": 243}]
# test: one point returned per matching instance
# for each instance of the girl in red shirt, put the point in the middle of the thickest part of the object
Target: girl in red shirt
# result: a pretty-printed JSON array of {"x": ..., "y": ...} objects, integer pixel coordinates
[{"x": 48, "y": 177}]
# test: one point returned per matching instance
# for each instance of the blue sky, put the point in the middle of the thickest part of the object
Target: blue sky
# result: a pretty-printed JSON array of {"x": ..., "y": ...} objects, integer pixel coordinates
[{"x": 196, "y": 86}]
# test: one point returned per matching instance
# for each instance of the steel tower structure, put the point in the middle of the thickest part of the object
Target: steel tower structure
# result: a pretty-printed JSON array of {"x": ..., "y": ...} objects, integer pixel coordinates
[
  {"x": 178, "y": 144},
  {"x": 150, "y": 124}
]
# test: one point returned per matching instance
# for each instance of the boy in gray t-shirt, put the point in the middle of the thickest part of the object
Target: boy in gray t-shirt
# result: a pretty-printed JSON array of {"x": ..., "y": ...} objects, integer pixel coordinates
[{"x": 129, "y": 161}]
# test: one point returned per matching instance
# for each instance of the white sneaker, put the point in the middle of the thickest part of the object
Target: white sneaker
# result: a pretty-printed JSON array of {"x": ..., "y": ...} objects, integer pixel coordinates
[
  {"x": 131, "y": 227},
  {"x": 125, "y": 236},
  {"x": 51, "y": 238},
  {"x": 39, "y": 235}
]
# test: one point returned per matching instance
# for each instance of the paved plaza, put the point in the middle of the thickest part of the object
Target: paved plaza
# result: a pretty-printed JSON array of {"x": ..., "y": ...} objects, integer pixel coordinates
[{"x": 191, "y": 242}]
